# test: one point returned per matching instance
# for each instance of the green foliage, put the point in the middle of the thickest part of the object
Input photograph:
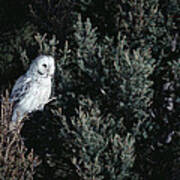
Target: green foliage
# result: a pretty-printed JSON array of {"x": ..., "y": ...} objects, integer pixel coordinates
[
  {"x": 96, "y": 151},
  {"x": 53, "y": 17},
  {"x": 13, "y": 51},
  {"x": 109, "y": 115},
  {"x": 46, "y": 46}
]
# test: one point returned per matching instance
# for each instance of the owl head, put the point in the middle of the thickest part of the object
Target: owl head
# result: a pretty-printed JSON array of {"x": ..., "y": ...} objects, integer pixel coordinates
[{"x": 42, "y": 66}]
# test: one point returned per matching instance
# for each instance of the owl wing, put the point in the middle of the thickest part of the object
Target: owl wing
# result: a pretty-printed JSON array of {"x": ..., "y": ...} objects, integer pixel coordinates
[{"x": 20, "y": 89}]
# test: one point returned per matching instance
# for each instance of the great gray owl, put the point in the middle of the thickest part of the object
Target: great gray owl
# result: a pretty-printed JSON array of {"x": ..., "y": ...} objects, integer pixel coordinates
[{"x": 33, "y": 89}]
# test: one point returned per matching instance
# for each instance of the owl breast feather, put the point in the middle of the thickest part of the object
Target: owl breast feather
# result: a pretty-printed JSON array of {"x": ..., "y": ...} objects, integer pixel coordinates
[
  {"x": 37, "y": 96},
  {"x": 31, "y": 97}
]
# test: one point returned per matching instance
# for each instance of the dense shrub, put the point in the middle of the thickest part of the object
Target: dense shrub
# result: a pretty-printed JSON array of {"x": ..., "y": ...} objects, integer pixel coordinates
[{"x": 16, "y": 161}]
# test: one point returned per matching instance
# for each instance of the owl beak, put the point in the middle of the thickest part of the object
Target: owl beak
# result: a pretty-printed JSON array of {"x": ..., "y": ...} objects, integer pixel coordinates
[
  {"x": 51, "y": 75},
  {"x": 48, "y": 72}
]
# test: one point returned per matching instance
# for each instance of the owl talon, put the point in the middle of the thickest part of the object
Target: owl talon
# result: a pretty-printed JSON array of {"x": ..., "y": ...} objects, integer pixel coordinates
[{"x": 52, "y": 99}]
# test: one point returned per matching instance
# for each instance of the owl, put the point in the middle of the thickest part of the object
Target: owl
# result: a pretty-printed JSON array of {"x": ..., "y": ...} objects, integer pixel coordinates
[{"x": 33, "y": 89}]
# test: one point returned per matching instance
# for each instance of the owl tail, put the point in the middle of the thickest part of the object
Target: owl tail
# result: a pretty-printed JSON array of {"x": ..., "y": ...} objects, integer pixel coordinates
[
  {"x": 16, "y": 119},
  {"x": 12, "y": 126}
]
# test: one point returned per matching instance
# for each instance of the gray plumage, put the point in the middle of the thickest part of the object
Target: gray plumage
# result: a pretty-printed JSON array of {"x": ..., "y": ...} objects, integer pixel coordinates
[{"x": 33, "y": 89}]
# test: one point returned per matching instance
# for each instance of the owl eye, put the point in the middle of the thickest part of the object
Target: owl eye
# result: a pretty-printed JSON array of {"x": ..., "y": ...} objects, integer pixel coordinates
[{"x": 44, "y": 65}]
